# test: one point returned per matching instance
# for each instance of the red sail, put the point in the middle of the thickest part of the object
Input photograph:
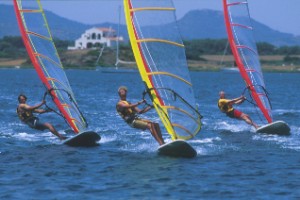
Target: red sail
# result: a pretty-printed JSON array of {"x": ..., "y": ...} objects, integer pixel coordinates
[{"x": 243, "y": 46}]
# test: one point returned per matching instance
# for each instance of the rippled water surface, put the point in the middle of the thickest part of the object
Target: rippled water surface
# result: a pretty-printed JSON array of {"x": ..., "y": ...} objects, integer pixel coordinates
[{"x": 233, "y": 161}]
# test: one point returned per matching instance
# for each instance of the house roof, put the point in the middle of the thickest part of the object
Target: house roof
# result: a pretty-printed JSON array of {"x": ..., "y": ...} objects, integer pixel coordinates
[{"x": 106, "y": 29}]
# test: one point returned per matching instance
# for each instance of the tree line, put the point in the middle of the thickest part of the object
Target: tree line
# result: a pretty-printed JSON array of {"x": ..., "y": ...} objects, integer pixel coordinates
[{"x": 13, "y": 47}]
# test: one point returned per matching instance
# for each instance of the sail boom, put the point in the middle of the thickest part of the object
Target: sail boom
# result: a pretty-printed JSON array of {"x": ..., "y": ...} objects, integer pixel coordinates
[
  {"x": 185, "y": 112},
  {"x": 185, "y": 129}
]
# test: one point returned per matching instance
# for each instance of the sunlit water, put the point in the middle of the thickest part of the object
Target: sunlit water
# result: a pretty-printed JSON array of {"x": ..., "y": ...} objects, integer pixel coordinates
[{"x": 233, "y": 161}]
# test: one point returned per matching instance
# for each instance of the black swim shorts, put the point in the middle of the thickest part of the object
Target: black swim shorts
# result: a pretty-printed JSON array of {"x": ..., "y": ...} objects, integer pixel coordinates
[{"x": 34, "y": 123}]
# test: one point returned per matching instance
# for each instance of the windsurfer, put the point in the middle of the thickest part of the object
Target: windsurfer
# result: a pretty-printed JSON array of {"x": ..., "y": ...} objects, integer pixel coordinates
[
  {"x": 129, "y": 113},
  {"x": 25, "y": 113},
  {"x": 225, "y": 106}
]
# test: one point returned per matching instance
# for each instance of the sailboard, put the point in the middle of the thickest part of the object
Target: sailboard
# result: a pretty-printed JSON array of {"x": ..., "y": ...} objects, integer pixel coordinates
[
  {"x": 244, "y": 49},
  {"x": 160, "y": 56},
  {"x": 177, "y": 148},
  {"x": 45, "y": 59},
  {"x": 278, "y": 128}
]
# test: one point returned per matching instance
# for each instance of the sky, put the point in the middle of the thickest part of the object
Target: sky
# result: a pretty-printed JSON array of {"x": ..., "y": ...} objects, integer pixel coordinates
[{"x": 281, "y": 15}]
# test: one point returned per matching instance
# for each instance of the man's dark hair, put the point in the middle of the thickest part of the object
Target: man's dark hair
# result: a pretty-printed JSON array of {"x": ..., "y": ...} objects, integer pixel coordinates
[{"x": 21, "y": 95}]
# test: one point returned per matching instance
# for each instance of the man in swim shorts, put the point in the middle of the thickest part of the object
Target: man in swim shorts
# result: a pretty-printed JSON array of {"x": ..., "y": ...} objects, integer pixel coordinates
[
  {"x": 129, "y": 113},
  {"x": 25, "y": 113},
  {"x": 226, "y": 106}
]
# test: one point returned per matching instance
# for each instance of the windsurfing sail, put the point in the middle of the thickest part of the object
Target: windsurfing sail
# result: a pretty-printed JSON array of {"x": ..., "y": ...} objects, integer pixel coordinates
[
  {"x": 160, "y": 56},
  {"x": 44, "y": 56},
  {"x": 243, "y": 46}
]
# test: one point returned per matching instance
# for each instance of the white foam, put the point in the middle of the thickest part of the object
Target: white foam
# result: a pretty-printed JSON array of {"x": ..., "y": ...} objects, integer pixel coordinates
[
  {"x": 235, "y": 126},
  {"x": 286, "y": 142},
  {"x": 205, "y": 140}
]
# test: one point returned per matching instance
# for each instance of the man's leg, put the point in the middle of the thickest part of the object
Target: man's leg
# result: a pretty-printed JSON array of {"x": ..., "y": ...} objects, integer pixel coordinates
[
  {"x": 248, "y": 120},
  {"x": 158, "y": 131},
  {"x": 54, "y": 131},
  {"x": 147, "y": 124},
  {"x": 154, "y": 133}
]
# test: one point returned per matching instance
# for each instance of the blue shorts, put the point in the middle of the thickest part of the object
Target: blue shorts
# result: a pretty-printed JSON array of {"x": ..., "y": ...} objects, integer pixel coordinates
[{"x": 34, "y": 123}]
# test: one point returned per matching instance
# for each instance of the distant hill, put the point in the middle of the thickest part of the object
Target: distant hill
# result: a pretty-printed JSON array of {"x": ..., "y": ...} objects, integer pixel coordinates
[{"x": 196, "y": 24}]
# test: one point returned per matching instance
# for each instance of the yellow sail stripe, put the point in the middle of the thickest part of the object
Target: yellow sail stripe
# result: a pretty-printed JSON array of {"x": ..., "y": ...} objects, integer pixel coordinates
[
  {"x": 55, "y": 80},
  {"x": 50, "y": 36},
  {"x": 30, "y": 11},
  {"x": 185, "y": 112},
  {"x": 66, "y": 105},
  {"x": 198, "y": 121},
  {"x": 47, "y": 26},
  {"x": 49, "y": 59},
  {"x": 38, "y": 35},
  {"x": 152, "y": 8},
  {"x": 186, "y": 130},
  {"x": 172, "y": 75},
  {"x": 161, "y": 40},
  {"x": 162, "y": 112}
]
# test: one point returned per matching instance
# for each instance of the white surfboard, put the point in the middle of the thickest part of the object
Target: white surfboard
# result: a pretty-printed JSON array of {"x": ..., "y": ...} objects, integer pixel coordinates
[
  {"x": 277, "y": 128},
  {"x": 85, "y": 139},
  {"x": 177, "y": 148}
]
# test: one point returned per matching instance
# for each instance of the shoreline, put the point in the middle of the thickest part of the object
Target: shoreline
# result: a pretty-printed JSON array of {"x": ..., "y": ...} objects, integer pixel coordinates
[
  {"x": 193, "y": 66},
  {"x": 193, "y": 69}
]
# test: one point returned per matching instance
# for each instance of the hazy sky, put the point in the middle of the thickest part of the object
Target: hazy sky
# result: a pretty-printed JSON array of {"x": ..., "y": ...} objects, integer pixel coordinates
[{"x": 280, "y": 15}]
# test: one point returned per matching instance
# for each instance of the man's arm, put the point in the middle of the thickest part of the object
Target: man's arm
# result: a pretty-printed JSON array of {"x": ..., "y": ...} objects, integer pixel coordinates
[
  {"x": 133, "y": 106},
  {"x": 238, "y": 100},
  {"x": 41, "y": 111},
  {"x": 146, "y": 109},
  {"x": 32, "y": 108}
]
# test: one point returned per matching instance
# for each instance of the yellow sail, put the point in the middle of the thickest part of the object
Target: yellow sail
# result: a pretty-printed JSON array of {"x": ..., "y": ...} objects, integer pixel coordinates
[{"x": 160, "y": 56}]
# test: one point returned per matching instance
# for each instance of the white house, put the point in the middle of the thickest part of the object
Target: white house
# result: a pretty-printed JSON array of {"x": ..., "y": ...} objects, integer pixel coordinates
[{"x": 95, "y": 37}]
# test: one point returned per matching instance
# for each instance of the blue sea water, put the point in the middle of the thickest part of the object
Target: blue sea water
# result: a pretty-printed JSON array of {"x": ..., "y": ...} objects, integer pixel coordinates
[{"x": 233, "y": 161}]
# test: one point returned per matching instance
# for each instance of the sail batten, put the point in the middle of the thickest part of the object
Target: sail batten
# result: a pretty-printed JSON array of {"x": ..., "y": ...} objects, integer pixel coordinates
[
  {"x": 243, "y": 46},
  {"x": 172, "y": 75},
  {"x": 160, "y": 55},
  {"x": 38, "y": 35},
  {"x": 241, "y": 25},
  {"x": 160, "y": 40},
  {"x": 49, "y": 59},
  {"x": 152, "y": 9},
  {"x": 43, "y": 54},
  {"x": 31, "y": 11}
]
